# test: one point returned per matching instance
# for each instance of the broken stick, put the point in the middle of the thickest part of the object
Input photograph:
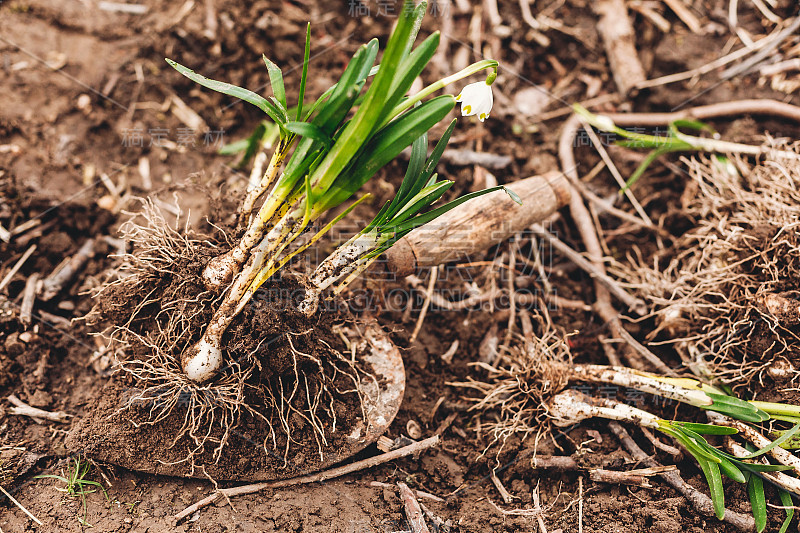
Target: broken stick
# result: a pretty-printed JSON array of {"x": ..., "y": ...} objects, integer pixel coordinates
[
  {"x": 23, "y": 409},
  {"x": 413, "y": 510},
  {"x": 312, "y": 478},
  {"x": 701, "y": 503},
  {"x": 479, "y": 224},
  {"x": 66, "y": 271},
  {"x": 617, "y": 33}
]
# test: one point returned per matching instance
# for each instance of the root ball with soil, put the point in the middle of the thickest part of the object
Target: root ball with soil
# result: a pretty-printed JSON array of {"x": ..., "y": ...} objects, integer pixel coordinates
[{"x": 202, "y": 356}]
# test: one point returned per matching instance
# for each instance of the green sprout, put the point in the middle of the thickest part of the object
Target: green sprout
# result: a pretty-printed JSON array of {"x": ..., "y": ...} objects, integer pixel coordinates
[
  {"x": 715, "y": 462},
  {"x": 262, "y": 138},
  {"x": 324, "y": 152},
  {"x": 674, "y": 141},
  {"x": 750, "y": 468},
  {"x": 76, "y": 484}
]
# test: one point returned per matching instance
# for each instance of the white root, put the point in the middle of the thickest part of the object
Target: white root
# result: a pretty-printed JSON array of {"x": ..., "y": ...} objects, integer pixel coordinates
[
  {"x": 788, "y": 483},
  {"x": 571, "y": 406},
  {"x": 222, "y": 269},
  {"x": 684, "y": 390},
  {"x": 342, "y": 262},
  {"x": 202, "y": 360}
]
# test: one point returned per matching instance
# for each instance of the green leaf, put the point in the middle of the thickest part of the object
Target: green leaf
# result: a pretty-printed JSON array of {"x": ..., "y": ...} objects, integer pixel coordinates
[
  {"x": 264, "y": 136},
  {"x": 249, "y": 146},
  {"x": 645, "y": 164},
  {"x": 777, "y": 442},
  {"x": 416, "y": 178},
  {"x": 692, "y": 443},
  {"x": 790, "y": 419},
  {"x": 792, "y": 443},
  {"x": 329, "y": 91},
  {"x": 778, "y": 409},
  {"x": 735, "y": 408},
  {"x": 309, "y": 201},
  {"x": 731, "y": 471},
  {"x": 423, "y": 199},
  {"x": 714, "y": 480},
  {"x": 235, "y": 147},
  {"x": 438, "y": 150},
  {"x": 417, "y": 14},
  {"x": 419, "y": 150},
  {"x": 276, "y": 80},
  {"x": 384, "y": 147},
  {"x": 232, "y": 90},
  {"x": 304, "y": 76},
  {"x": 788, "y": 504},
  {"x": 347, "y": 88},
  {"x": 706, "y": 429},
  {"x": 360, "y": 127},
  {"x": 411, "y": 67},
  {"x": 514, "y": 196},
  {"x": 657, "y": 142},
  {"x": 692, "y": 125},
  {"x": 332, "y": 111},
  {"x": 424, "y": 218},
  {"x": 306, "y": 129},
  {"x": 760, "y": 467},
  {"x": 755, "y": 490},
  {"x": 711, "y": 453}
]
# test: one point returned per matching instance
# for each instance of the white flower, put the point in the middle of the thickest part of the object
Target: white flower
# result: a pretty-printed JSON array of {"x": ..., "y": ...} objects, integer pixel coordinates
[{"x": 476, "y": 99}]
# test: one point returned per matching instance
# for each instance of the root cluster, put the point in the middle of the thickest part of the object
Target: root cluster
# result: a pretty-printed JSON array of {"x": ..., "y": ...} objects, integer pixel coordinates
[
  {"x": 155, "y": 305},
  {"x": 726, "y": 294},
  {"x": 518, "y": 384}
]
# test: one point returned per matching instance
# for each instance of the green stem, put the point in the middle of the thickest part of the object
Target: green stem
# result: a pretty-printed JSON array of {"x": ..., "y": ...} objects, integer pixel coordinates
[
  {"x": 773, "y": 408},
  {"x": 439, "y": 85}
]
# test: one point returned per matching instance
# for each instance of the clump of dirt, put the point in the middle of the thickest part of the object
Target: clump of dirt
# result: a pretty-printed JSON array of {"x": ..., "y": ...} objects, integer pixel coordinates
[
  {"x": 285, "y": 390},
  {"x": 726, "y": 291}
]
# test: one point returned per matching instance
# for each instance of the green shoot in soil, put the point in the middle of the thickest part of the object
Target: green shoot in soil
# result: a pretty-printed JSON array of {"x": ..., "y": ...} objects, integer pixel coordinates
[{"x": 76, "y": 483}]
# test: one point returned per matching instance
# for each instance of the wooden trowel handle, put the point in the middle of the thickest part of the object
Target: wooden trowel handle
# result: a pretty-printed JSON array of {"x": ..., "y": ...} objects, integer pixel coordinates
[{"x": 479, "y": 224}]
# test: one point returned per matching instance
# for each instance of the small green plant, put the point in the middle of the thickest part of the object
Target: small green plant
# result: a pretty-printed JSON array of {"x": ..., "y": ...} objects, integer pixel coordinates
[
  {"x": 76, "y": 484},
  {"x": 674, "y": 141},
  {"x": 572, "y": 406}
]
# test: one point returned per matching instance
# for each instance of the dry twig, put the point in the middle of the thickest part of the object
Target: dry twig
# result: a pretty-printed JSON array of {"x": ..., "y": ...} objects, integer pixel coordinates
[
  {"x": 66, "y": 271},
  {"x": 22, "y": 508},
  {"x": 686, "y": 16},
  {"x": 615, "y": 28},
  {"x": 21, "y": 261},
  {"x": 413, "y": 510},
  {"x": 434, "y": 273},
  {"x": 312, "y": 478},
  {"x": 23, "y": 409},
  {"x": 28, "y": 299},
  {"x": 635, "y": 304}
]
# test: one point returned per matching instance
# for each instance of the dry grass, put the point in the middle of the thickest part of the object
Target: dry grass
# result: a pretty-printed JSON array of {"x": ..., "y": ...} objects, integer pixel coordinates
[
  {"x": 517, "y": 385},
  {"x": 708, "y": 291}
]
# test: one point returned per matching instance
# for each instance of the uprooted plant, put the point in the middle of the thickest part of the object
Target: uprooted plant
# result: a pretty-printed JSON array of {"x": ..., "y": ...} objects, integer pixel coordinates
[
  {"x": 532, "y": 384},
  {"x": 724, "y": 296},
  {"x": 187, "y": 339}
]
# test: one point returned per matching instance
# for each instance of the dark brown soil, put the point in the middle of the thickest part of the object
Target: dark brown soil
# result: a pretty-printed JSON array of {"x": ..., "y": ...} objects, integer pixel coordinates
[
  {"x": 240, "y": 439},
  {"x": 64, "y": 146}
]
